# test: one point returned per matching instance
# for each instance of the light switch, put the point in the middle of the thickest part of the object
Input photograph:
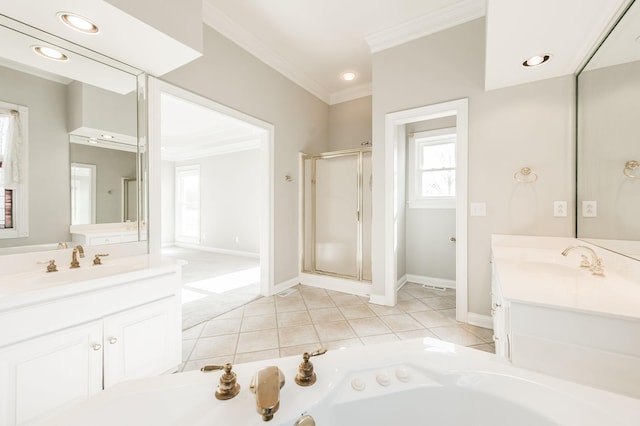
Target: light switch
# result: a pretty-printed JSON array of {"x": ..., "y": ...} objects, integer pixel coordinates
[
  {"x": 560, "y": 208},
  {"x": 589, "y": 209},
  {"x": 478, "y": 209}
]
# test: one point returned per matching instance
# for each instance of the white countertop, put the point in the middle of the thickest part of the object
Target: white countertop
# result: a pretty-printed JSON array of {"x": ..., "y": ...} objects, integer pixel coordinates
[{"x": 532, "y": 270}]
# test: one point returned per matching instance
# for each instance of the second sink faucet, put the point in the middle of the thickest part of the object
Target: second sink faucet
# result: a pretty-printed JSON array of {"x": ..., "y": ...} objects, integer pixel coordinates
[
  {"x": 595, "y": 265},
  {"x": 74, "y": 256}
]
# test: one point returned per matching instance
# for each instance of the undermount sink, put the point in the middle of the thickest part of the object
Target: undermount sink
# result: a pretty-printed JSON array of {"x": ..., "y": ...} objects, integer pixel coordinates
[
  {"x": 553, "y": 268},
  {"x": 83, "y": 273}
]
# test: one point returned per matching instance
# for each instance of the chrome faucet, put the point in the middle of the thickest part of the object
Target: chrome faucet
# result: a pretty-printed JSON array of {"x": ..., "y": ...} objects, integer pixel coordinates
[
  {"x": 595, "y": 265},
  {"x": 266, "y": 384},
  {"x": 77, "y": 250}
]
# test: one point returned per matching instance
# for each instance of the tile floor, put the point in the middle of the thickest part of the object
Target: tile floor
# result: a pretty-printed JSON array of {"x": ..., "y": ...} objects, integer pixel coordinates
[{"x": 307, "y": 318}]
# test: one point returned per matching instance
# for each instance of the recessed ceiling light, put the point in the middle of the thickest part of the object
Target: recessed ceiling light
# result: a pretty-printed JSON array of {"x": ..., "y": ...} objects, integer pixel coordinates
[
  {"x": 50, "y": 53},
  {"x": 78, "y": 23},
  {"x": 348, "y": 76},
  {"x": 536, "y": 60},
  {"x": 105, "y": 136}
]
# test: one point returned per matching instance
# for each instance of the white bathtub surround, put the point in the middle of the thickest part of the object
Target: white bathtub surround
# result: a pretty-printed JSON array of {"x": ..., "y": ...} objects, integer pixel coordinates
[
  {"x": 400, "y": 382},
  {"x": 66, "y": 335},
  {"x": 552, "y": 316}
]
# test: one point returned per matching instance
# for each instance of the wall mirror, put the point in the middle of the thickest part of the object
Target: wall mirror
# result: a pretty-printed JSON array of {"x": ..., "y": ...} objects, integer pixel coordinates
[
  {"x": 74, "y": 171},
  {"x": 608, "y": 149}
]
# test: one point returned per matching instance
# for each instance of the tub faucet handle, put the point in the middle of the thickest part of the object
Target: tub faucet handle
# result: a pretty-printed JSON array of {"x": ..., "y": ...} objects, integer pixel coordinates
[
  {"x": 228, "y": 387},
  {"x": 306, "y": 376},
  {"x": 97, "y": 260}
]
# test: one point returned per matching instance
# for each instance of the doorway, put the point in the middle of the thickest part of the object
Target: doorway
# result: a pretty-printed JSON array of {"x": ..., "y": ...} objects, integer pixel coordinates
[
  {"x": 396, "y": 125},
  {"x": 211, "y": 199}
]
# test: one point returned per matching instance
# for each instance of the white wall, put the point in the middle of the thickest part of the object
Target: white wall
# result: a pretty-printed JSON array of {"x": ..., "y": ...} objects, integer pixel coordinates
[
  {"x": 527, "y": 125},
  {"x": 229, "y": 201},
  {"x": 229, "y": 75},
  {"x": 349, "y": 124},
  {"x": 168, "y": 196}
]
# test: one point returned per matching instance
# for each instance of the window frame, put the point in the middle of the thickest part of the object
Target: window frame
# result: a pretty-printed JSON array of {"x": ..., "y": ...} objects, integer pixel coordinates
[
  {"x": 20, "y": 195},
  {"x": 414, "y": 188}
]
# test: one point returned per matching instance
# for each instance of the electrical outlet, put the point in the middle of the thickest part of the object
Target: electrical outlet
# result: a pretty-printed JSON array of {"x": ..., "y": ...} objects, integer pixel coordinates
[
  {"x": 589, "y": 209},
  {"x": 560, "y": 208},
  {"x": 478, "y": 209}
]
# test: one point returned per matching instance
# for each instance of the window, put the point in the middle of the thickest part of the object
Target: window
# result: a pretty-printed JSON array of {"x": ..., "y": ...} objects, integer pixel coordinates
[
  {"x": 432, "y": 169},
  {"x": 188, "y": 204},
  {"x": 14, "y": 220}
]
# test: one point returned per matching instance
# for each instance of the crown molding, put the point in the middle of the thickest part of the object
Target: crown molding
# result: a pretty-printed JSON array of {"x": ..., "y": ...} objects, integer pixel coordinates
[
  {"x": 222, "y": 23},
  {"x": 350, "y": 94},
  {"x": 441, "y": 19}
]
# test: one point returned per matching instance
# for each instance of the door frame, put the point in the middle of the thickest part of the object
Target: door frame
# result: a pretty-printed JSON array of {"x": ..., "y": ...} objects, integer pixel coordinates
[
  {"x": 266, "y": 146},
  {"x": 394, "y": 135}
]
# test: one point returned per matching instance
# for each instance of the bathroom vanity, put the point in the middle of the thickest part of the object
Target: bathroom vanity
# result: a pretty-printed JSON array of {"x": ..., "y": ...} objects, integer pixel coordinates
[
  {"x": 69, "y": 334},
  {"x": 552, "y": 316}
]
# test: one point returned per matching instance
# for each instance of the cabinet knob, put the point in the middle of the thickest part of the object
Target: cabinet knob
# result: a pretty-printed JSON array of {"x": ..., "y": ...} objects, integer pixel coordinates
[
  {"x": 96, "y": 346},
  {"x": 112, "y": 340}
]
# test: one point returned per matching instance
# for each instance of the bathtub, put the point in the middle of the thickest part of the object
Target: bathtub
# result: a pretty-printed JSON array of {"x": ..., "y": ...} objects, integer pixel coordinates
[{"x": 423, "y": 381}]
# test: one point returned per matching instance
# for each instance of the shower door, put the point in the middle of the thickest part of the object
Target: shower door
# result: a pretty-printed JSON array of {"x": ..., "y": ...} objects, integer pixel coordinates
[{"x": 337, "y": 214}]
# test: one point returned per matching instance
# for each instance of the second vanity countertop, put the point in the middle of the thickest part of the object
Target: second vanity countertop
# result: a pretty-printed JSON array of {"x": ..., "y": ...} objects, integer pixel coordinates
[{"x": 532, "y": 270}]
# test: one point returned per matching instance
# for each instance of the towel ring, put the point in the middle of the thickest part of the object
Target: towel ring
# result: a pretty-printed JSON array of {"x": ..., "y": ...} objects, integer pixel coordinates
[
  {"x": 525, "y": 175},
  {"x": 629, "y": 167}
]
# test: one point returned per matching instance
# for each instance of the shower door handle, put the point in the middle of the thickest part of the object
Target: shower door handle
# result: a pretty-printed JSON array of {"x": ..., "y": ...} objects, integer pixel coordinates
[{"x": 358, "y": 215}]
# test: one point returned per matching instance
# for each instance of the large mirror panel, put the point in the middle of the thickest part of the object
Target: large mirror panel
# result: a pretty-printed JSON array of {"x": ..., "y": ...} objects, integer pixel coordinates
[
  {"x": 608, "y": 148},
  {"x": 69, "y": 165}
]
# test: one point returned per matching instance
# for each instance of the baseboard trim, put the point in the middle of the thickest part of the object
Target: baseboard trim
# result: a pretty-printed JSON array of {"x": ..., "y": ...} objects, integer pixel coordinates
[
  {"x": 485, "y": 321},
  {"x": 218, "y": 250},
  {"x": 337, "y": 284},
  {"x": 278, "y": 288},
  {"x": 436, "y": 282},
  {"x": 401, "y": 282}
]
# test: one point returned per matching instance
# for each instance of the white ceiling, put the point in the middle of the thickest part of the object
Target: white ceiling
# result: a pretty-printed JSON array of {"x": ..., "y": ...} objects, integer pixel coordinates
[{"x": 313, "y": 42}]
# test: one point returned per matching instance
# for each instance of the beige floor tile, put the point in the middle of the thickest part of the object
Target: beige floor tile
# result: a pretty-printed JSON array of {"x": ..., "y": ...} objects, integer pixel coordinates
[
  {"x": 346, "y": 300},
  {"x": 291, "y": 305},
  {"x": 291, "y": 319},
  {"x": 254, "y": 309},
  {"x": 298, "y": 350},
  {"x": 198, "y": 364},
  {"x": 368, "y": 326},
  {"x": 403, "y": 295},
  {"x": 431, "y": 319},
  {"x": 256, "y": 356},
  {"x": 437, "y": 303},
  {"x": 486, "y": 347},
  {"x": 334, "y": 330},
  {"x": 236, "y": 313},
  {"x": 187, "y": 347},
  {"x": 264, "y": 300},
  {"x": 486, "y": 334},
  {"x": 325, "y": 315},
  {"x": 219, "y": 327},
  {"x": 337, "y": 345},
  {"x": 193, "y": 332},
  {"x": 259, "y": 322},
  {"x": 380, "y": 338},
  {"x": 213, "y": 347},
  {"x": 356, "y": 311},
  {"x": 318, "y": 302},
  {"x": 306, "y": 290},
  {"x": 456, "y": 334},
  {"x": 401, "y": 322},
  {"x": 415, "y": 334},
  {"x": 449, "y": 313},
  {"x": 254, "y": 341},
  {"x": 412, "y": 305},
  {"x": 300, "y": 335}
]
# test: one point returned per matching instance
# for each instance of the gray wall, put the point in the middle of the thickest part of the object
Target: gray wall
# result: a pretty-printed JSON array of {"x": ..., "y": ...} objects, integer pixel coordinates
[
  {"x": 48, "y": 155},
  {"x": 111, "y": 166},
  {"x": 527, "y": 125},
  {"x": 168, "y": 195},
  {"x": 229, "y": 201},
  {"x": 349, "y": 124},
  {"x": 229, "y": 75}
]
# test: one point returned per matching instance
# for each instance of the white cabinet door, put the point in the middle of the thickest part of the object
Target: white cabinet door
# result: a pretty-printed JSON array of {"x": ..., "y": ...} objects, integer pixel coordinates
[
  {"x": 142, "y": 341},
  {"x": 46, "y": 373}
]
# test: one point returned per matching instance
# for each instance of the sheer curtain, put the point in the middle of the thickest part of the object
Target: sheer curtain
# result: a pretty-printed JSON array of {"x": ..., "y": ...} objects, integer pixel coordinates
[{"x": 12, "y": 149}]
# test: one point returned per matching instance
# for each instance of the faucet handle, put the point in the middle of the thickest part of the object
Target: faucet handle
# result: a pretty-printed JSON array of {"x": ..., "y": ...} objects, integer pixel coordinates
[
  {"x": 97, "y": 260},
  {"x": 584, "y": 262},
  {"x": 51, "y": 265},
  {"x": 228, "y": 387},
  {"x": 306, "y": 376}
]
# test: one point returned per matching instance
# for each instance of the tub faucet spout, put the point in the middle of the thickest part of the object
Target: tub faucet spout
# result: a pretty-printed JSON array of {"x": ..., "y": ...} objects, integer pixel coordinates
[
  {"x": 595, "y": 265},
  {"x": 266, "y": 385}
]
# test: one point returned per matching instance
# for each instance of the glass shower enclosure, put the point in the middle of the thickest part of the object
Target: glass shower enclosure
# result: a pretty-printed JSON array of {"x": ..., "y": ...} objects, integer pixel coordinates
[{"x": 336, "y": 211}]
